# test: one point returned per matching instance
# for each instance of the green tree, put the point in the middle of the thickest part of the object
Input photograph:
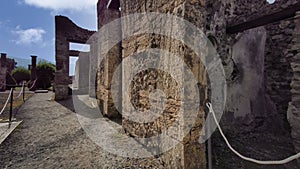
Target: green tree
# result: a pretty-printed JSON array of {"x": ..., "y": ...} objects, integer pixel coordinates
[
  {"x": 45, "y": 74},
  {"x": 21, "y": 74}
]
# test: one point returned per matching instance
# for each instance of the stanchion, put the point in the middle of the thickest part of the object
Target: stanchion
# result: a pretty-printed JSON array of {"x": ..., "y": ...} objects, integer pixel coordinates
[
  {"x": 23, "y": 90},
  {"x": 11, "y": 106}
]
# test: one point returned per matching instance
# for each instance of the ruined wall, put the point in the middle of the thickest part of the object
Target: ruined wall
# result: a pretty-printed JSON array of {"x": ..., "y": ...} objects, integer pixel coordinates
[
  {"x": 189, "y": 153},
  {"x": 273, "y": 84},
  {"x": 108, "y": 63},
  {"x": 65, "y": 32},
  {"x": 3, "y": 70}
]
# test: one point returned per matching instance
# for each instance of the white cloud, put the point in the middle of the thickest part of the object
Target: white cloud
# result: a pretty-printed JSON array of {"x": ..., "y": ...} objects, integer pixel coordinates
[
  {"x": 58, "y": 5},
  {"x": 29, "y": 36}
]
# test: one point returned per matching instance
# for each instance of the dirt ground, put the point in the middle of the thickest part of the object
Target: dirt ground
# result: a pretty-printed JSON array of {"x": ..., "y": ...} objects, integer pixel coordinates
[{"x": 18, "y": 101}]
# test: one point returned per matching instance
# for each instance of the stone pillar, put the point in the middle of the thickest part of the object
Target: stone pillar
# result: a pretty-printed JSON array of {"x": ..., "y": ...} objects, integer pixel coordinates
[
  {"x": 293, "y": 113},
  {"x": 111, "y": 61},
  {"x": 179, "y": 111},
  {"x": 3, "y": 71},
  {"x": 33, "y": 73}
]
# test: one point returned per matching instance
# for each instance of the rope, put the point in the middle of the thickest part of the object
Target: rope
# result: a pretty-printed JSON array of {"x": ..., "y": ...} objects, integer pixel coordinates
[
  {"x": 279, "y": 162},
  {"x": 21, "y": 92},
  {"x": 6, "y": 102}
]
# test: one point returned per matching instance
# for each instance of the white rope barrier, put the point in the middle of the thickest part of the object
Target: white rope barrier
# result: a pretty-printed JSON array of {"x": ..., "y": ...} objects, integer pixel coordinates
[
  {"x": 19, "y": 94},
  {"x": 33, "y": 84},
  {"x": 6, "y": 102},
  {"x": 279, "y": 162}
]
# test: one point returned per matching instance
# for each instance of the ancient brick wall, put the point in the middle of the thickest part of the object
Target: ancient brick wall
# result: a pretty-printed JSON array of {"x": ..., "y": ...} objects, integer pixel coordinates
[{"x": 189, "y": 153}]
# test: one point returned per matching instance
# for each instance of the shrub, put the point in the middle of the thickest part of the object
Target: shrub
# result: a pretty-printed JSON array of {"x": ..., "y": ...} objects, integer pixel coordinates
[
  {"x": 21, "y": 74},
  {"x": 45, "y": 74},
  {"x": 10, "y": 81}
]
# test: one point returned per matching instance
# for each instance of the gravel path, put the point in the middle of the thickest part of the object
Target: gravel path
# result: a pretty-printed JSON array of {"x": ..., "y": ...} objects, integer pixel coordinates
[{"x": 51, "y": 137}]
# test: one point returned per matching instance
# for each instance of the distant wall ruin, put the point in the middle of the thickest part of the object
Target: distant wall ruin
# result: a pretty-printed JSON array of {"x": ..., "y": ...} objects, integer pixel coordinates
[{"x": 3, "y": 70}]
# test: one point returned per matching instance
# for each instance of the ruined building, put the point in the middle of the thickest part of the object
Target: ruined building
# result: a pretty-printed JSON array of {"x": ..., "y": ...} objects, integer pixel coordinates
[
  {"x": 7, "y": 65},
  {"x": 259, "y": 47}
]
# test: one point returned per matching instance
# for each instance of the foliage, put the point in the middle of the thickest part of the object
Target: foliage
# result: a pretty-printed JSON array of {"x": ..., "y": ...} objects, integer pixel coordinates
[
  {"x": 10, "y": 81},
  {"x": 21, "y": 74},
  {"x": 45, "y": 74}
]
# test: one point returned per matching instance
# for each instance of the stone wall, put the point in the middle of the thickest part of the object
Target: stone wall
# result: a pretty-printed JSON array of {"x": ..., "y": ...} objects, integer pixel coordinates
[
  {"x": 278, "y": 72},
  {"x": 246, "y": 93},
  {"x": 188, "y": 153},
  {"x": 275, "y": 80},
  {"x": 293, "y": 114}
]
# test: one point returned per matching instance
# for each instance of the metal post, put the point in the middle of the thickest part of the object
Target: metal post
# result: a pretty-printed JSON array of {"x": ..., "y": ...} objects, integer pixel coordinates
[
  {"x": 11, "y": 105},
  {"x": 209, "y": 145}
]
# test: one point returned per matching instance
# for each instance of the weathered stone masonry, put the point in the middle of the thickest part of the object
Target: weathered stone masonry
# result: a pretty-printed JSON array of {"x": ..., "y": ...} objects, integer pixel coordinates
[
  {"x": 189, "y": 153},
  {"x": 293, "y": 113}
]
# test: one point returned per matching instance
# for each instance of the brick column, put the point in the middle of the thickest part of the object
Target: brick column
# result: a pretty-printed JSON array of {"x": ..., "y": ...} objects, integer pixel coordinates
[
  {"x": 293, "y": 113},
  {"x": 3, "y": 70},
  {"x": 33, "y": 73},
  {"x": 62, "y": 65}
]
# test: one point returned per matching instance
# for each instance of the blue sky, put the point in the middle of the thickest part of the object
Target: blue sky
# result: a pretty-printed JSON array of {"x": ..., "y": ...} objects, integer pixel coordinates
[{"x": 27, "y": 26}]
